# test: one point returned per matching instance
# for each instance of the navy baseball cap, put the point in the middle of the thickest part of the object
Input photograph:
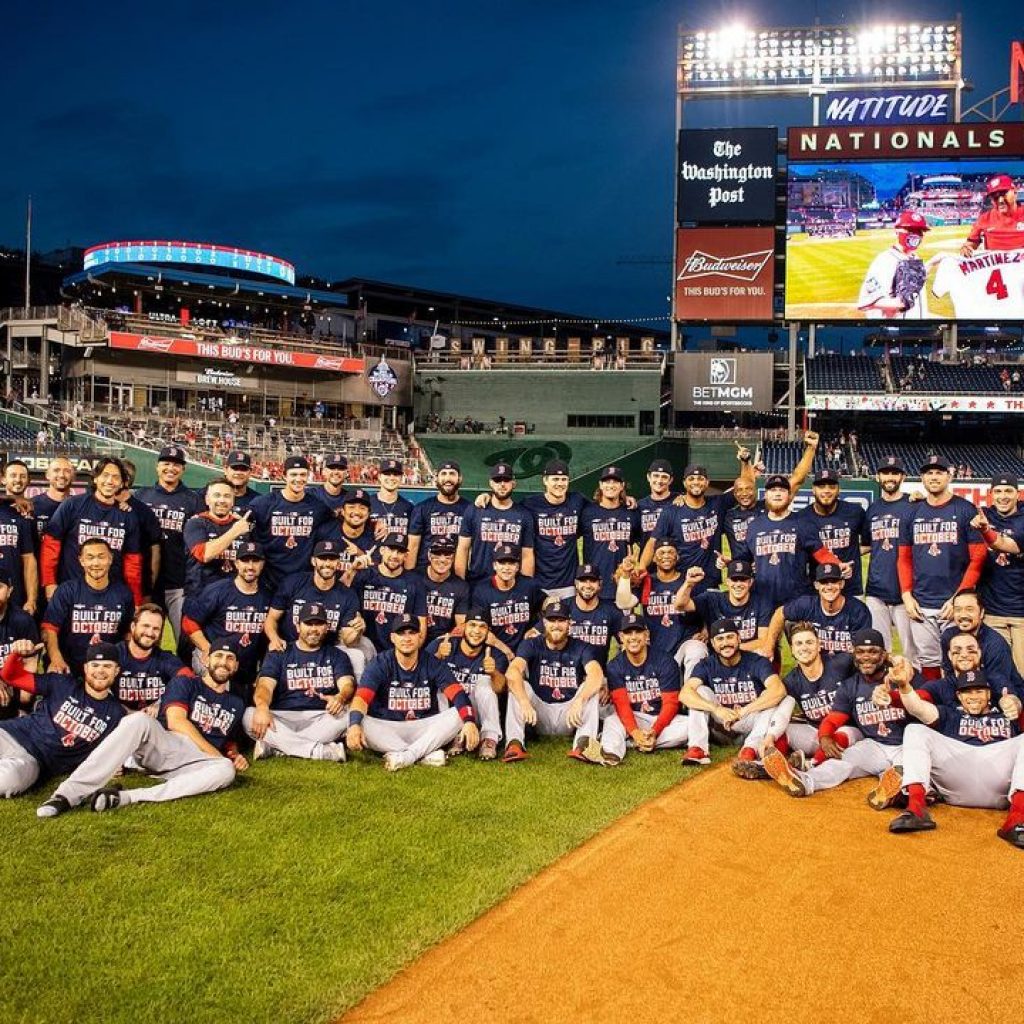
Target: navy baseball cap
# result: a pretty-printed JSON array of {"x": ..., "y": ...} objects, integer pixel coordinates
[
  {"x": 357, "y": 497},
  {"x": 695, "y": 469},
  {"x": 664, "y": 542},
  {"x": 390, "y": 466},
  {"x": 506, "y": 553},
  {"x": 660, "y": 466},
  {"x": 478, "y": 615},
  {"x": 238, "y": 460},
  {"x": 249, "y": 550},
  {"x": 868, "y": 638},
  {"x": 973, "y": 679},
  {"x": 556, "y": 467},
  {"x": 587, "y": 571},
  {"x": 450, "y": 464},
  {"x": 828, "y": 573},
  {"x": 503, "y": 471},
  {"x": 313, "y": 611},
  {"x": 556, "y": 610},
  {"x": 633, "y": 623},
  {"x": 326, "y": 549},
  {"x": 405, "y": 623},
  {"x": 397, "y": 541},
  {"x": 934, "y": 461},
  {"x": 776, "y": 480},
  {"x": 612, "y": 473},
  {"x": 722, "y": 626},
  {"x": 296, "y": 462},
  {"x": 227, "y": 643},
  {"x": 103, "y": 652},
  {"x": 892, "y": 464},
  {"x": 826, "y": 476},
  {"x": 172, "y": 453},
  {"x": 442, "y": 546},
  {"x": 6, "y": 578},
  {"x": 740, "y": 569},
  {"x": 1005, "y": 480},
  {"x": 335, "y": 461}
]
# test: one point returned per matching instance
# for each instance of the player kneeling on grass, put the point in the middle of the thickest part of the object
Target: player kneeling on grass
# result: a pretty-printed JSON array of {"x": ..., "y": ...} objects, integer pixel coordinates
[
  {"x": 396, "y": 708},
  {"x": 302, "y": 695},
  {"x": 971, "y": 755},
  {"x": 644, "y": 689},
  {"x": 880, "y": 752},
  {"x": 739, "y": 689},
  {"x": 480, "y": 671},
  {"x": 69, "y": 720},
  {"x": 561, "y": 696},
  {"x": 191, "y": 746}
]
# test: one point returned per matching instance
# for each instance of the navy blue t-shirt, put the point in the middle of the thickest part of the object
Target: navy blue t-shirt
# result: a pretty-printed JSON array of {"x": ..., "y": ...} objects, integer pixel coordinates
[
  {"x": 781, "y": 550},
  {"x": 1002, "y": 582},
  {"x": 608, "y": 536},
  {"x": 488, "y": 527},
  {"x": 287, "y": 531},
  {"x": 644, "y": 684},
  {"x": 172, "y": 510},
  {"x": 468, "y": 668},
  {"x": 218, "y": 716},
  {"x": 79, "y": 518},
  {"x": 434, "y": 519},
  {"x": 395, "y": 515},
  {"x": 556, "y": 530},
  {"x": 834, "y": 631},
  {"x": 650, "y": 510},
  {"x": 840, "y": 532},
  {"x": 735, "y": 686},
  {"x": 17, "y": 538},
  {"x": 16, "y": 624},
  {"x": 142, "y": 681},
  {"x": 815, "y": 698},
  {"x": 199, "y": 531},
  {"x": 735, "y": 523},
  {"x": 885, "y": 725},
  {"x": 669, "y": 628},
  {"x": 555, "y": 676},
  {"x": 697, "y": 535},
  {"x": 512, "y": 612},
  {"x": 383, "y": 597},
  {"x": 341, "y": 604},
  {"x": 396, "y": 694},
  {"x": 222, "y": 611},
  {"x": 332, "y": 501},
  {"x": 303, "y": 678},
  {"x": 81, "y": 616},
  {"x": 43, "y": 507},
  {"x": 596, "y": 627},
  {"x": 939, "y": 538},
  {"x": 445, "y": 600},
  {"x": 976, "y": 730},
  {"x": 882, "y": 525},
  {"x": 996, "y": 659},
  {"x": 756, "y": 613}
]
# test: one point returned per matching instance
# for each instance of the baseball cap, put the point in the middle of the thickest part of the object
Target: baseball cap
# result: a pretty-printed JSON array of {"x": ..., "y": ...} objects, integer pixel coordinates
[
  {"x": 721, "y": 626},
  {"x": 238, "y": 460},
  {"x": 1005, "y": 480},
  {"x": 326, "y": 549},
  {"x": 502, "y": 471},
  {"x": 740, "y": 569},
  {"x": 556, "y": 610},
  {"x": 934, "y": 461},
  {"x": 102, "y": 652},
  {"x": 588, "y": 571},
  {"x": 506, "y": 553},
  {"x": 172, "y": 453},
  {"x": 357, "y": 497},
  {"x": 397, "y": 541},
  {"x": 912, "y": 220},
  {"x": 660, "y": 466},
  {"x": 6, "y": 578},
  {"x": 296, "y": 462},
  {"x": 828, "y": 573},
  {"x": 999, "y": 183},
  {"x": 971, "y": 679},
  {"x": 390, "y": 466},
  {"x": 868, "y": 638},
  {"x": 249, "y": 550},
  {"x": 632, "y": 623},
  {"x": 695, "y": 469},
  {"x": 335, "y": 461},
  {"x": 892, "y": 464},
  {"x": 314, "y": 611},
  {"x": 442, "y": 546},
  {"x": 556, "y": 467},
  {"x": 450, "y": 464},
  {"x": 226, "y": 643},
  {"x": 612, "y": 473},
  {"x": 664, "y": 542},
  {"x": 776, "y": 480},
  {"x": 405, "y": 623},
  {"x": 478, "y": 615},
  {"x": 826, "y": 476}
]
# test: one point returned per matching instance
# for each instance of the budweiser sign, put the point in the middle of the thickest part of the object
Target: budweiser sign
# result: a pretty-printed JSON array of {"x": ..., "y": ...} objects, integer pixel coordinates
[{"x": 725, "y": 274}]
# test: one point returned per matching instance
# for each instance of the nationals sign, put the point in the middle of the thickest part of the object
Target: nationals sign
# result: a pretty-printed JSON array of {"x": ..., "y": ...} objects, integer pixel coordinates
[
  {"x": 725, "y": 274},
  {"x": 234, "y": 352}
]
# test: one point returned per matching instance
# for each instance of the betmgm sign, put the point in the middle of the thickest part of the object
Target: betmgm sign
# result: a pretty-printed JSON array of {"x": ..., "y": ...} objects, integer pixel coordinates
[{"x": 722, "y": 382}]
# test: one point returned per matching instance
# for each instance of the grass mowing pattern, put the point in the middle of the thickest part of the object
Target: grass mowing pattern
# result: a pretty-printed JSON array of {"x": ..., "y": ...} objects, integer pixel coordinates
[{"x": 291, "y": 895}]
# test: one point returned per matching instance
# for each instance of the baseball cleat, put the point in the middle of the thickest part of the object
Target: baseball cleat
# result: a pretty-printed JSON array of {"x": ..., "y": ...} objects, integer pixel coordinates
[
  {"x": 746, "y": 766},
  {"x": 798, "y": 761},
  {"x": 260, "y": 751},
  {"x": 1014, "y": 835},
  {"x": 333, "y": 752},
  {"x": 54, "y": 806},
  {"x": 587, "y": 750},
  {"x": 435, "y": 759},
  {"x": 781, "y": 772},
  {"x": 610, "y": 760},
  {"x": 695, "y": 755},
  {"x": 908, "y": 821},
  {"x": 395, "y": 762},
  {"x": 107, "y": 799},
  {"x": 514, "y": 751},
  {"x": 890, "y": 784},
  {"x": 488, "y": 750}
]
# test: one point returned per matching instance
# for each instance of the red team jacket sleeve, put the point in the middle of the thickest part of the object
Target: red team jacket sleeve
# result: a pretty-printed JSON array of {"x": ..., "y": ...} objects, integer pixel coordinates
[
  {"x": 905, "y": 568},
  {"x": 625, "y": 711},
  {"x": 669, "y": 710},
  {"x": 457, "y": 698},
  {"x": 49, "y": 558},
  {"x": 833, "y": 720},
  {"x": 972, "y": 574},
  {"x": 189, "y": 626},
  {"x": 15, "y": 674},
  {"x": 133, "y": 575}
]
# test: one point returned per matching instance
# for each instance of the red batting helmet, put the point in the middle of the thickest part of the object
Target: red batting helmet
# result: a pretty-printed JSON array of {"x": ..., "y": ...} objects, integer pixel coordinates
[
  {"x": 999, "y": 183},
  {"x": 911, "y": 220}
]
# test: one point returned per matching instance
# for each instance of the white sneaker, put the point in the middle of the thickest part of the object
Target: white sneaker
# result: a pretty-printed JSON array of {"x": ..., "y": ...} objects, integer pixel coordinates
[
  {"x": 437, "y": 759},
  {"x": 331, "y": 752},
  {"x": 396, "y": 762},
  {"x": 260, "y": 751}
]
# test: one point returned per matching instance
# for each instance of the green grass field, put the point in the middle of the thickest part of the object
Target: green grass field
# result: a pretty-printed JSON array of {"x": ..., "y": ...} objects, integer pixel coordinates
[
  {"x": 290, "y": 896},
  {"x": 824, "y": 275}
]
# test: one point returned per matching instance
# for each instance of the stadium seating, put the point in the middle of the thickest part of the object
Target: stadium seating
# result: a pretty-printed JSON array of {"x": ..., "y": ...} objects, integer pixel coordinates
[
  {"x": 843, "y": 374},
  {"x": 782, "y": 456},
  {"x": 984, "y": 460},
  {"x": 941, "y": 378}
]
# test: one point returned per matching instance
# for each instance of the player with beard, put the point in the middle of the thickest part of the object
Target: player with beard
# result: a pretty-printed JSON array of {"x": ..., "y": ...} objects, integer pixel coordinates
[
  {"x": 352, "y": 531},
  {"x": 332, "y": 491},
  {"x": 18, "y": 544},
  {"x": 593, "y": 619},
  {"x": 388, "y": 590},
  {"x": 610, "y": 529},
  {"x": 212, "y": 537},
  {"x": 439, "y": 517},
  {"x": 15, "y": 624},
  {"x": 238, "y": 473},
  {"x": 60, "y": 474},
  {"x": 839, "y": 525},
  {"x": 389, "y": 511},
  {"x": 881, "y": 539},
  {"x": 146, "y": 669},
  {"x": 447, "y": 596},
  {"x": 485, "y": 526}
]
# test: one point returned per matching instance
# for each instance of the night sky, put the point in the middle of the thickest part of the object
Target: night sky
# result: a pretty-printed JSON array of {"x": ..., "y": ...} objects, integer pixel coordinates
[{"x": 516, "y": 151}]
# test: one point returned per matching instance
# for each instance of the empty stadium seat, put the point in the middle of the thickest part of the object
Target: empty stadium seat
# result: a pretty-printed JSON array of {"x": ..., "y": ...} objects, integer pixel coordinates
[{"x": 843, "y": 374}]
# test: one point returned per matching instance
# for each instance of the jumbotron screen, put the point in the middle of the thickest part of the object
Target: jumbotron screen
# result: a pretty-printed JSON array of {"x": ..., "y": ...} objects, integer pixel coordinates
[{"x": 905, "y": 224}]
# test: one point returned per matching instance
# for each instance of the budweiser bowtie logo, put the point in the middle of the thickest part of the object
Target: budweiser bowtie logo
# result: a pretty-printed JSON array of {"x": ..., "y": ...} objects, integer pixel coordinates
[
  {"x": 156, "y": 344},
  {"x": 743, "y": 267}
]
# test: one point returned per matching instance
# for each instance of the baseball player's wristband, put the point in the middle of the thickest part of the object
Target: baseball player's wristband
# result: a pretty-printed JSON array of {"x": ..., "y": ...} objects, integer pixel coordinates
[
  {"x": 466, "y": 714},
  {"x": 355, "y": 718},
  {"x": 989, "y": 536}
]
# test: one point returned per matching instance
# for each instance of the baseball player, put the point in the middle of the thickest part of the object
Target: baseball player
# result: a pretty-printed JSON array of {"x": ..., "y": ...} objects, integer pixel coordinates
[
  {"x": 332, "y": 491},
  {"x": 15, "y": 478},
  {"x": 1001, "y": 226},
  {"x": 387, "y": 590},
  {"x": 970, "y": 754},
  {"x": 738, "y": 688},
  {"x": 839, "y": 525},
  {"x": 553, "y": 683},
  {"x": 594, "y": 620},
  {"x": 511, "y": 601},
  {"x": 811, "y": 688},
  {"x": 439, "y": 517},
  {"x": 146, "y": 669},
  {"x": 302, "y": 695},
  {"x": 610, "y": 529},
  {"x": 191, "y": 746},
  {"x": 396, "y": 709},
  {"x": 351, "y": 530},
  {"x": 881, "y": 538},
  {"x": 389, "y": 511},
  {"x": 18, "y": 555},
  {"x": 150, "y": 534},
  {"x": 86, "y": 610},
  {"x": 211, "y": 538},
  {"x": 15, "y": 624},
  {"x": 500, "y": 521},
  {"x": 940, "y": 554},
  {"x": 238, "y": 473},
  {"x": 643, "y": 685},
  {"x": 881, "y": 728},
  {"x": 60, "y": 474},
  {"x": 968, "y": 615},
  {"x": 447, "y": 595},
  {"x": 69, "y": 719},
  {"x": 660, "y": 496},
  {"x": 480, "y": 670},
  {"x": 893, "y": 287},
  {"x": 557, "y": 519}
]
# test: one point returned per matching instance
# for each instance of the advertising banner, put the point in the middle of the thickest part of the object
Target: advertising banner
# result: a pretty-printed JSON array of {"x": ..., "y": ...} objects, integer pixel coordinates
[
  {"x": 870, "y": 106},
  {"x": 715, "y": 381},
  {"x": 915, "y": 403},
  {"x": 725, "y": 274}
]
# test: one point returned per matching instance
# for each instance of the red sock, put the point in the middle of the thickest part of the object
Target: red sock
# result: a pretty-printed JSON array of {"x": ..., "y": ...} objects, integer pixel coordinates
[
  {"x": 916, "y": 803},
  {"x": 747, "y": 754},
  {"x": 1016, "y": 815},
  {"x": 932, "y": 673},
  {"x": 782, "y": 745},
  {"x": 842, "y": 739}
]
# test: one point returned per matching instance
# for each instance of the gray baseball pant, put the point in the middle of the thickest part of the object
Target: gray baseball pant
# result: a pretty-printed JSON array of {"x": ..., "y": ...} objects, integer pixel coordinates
[
  {"x": 412, "y": 741},
  {"x": 19, "y": 770},
  {"x": 868, "y": 757},
  {"x": 886, "y": 617},
  {"x": 485, "y": 706},
  {"x": 174, "y": 602},
  {"x": 299, "y": 733},
  {"x": 550, "y": 719},
  {"x": 675, "y": 734},
  {"x": 802, "y": 736},
  {"x": 361, "y": 654},
  {"x": 753, "y": 727}
]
